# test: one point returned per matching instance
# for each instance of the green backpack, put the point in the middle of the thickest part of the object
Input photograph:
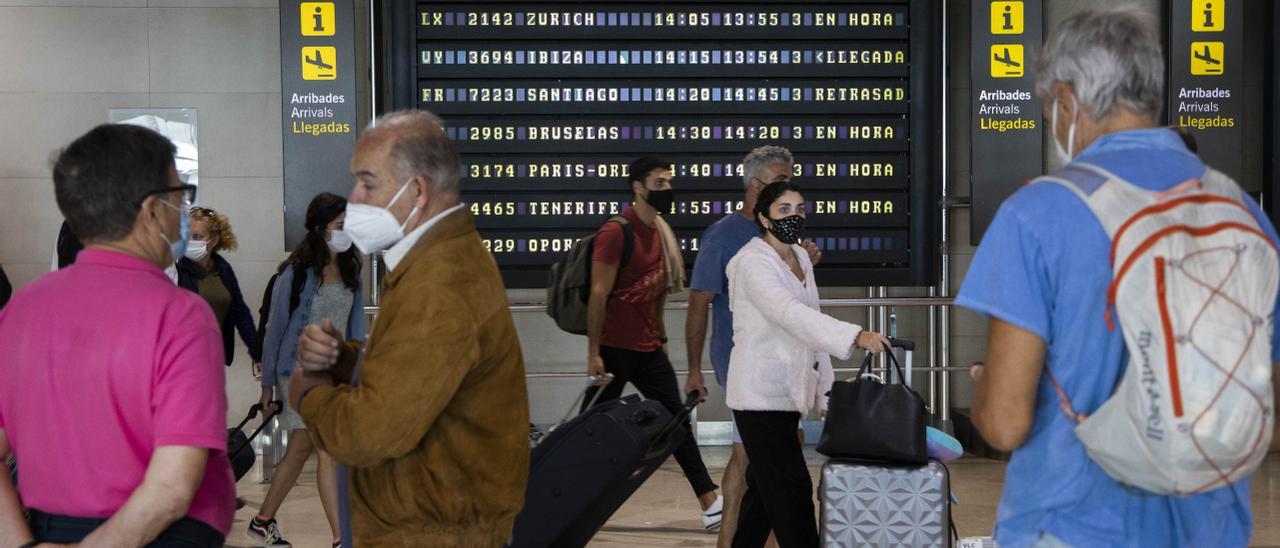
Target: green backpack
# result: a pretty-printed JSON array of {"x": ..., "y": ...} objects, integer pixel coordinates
[{"x": 569, "y": 282}]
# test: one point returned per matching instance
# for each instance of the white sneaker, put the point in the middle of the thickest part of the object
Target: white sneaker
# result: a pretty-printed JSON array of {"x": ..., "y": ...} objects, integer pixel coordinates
[{"x": 711, "y": 516}]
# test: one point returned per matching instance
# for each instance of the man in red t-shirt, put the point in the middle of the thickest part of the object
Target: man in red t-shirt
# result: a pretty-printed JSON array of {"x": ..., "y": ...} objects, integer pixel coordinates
[{"x": 625, "y": 333}]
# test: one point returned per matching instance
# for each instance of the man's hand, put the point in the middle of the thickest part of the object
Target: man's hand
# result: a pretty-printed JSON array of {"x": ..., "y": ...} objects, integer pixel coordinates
[
  {"x": 268, "y": 407},
  {"x": 811, "y": 248},
  {"x": 695, "y": 335},
  {"x": 257, "y": 371},
  {"x": 302, "y": 381},
  {"x": 319, "y": 347},
  {"x": 595, "y": 369},
  {"x": 695, "y": 383}
]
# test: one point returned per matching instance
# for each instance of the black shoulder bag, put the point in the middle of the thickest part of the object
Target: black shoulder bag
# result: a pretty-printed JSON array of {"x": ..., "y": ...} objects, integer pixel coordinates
[{"x": 873, "y": 421}]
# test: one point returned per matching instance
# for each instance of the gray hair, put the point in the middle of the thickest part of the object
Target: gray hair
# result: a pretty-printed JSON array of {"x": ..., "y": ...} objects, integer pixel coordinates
[
  {"x": 760, "y": 158},
  {"x": 1112, "y": 58},
  {"x": 420, "y": 148}
]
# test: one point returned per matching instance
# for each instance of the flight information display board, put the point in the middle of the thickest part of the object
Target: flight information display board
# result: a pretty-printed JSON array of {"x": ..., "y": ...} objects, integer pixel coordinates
[{"x": 548, "y": 102}]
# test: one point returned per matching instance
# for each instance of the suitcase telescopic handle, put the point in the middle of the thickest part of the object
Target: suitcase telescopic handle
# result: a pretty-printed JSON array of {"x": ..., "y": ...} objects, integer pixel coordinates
[
  {"x": 253, "y": 412},
  {"x": 257, "y": 408},
  {"x": 599, "y": 381},
  {"x": 903, "y": 344},
  {"x": 691, "y": 400}
]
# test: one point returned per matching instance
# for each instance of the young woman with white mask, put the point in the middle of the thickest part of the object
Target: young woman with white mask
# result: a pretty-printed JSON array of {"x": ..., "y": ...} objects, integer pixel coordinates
[{"x": 319, "y": 281}]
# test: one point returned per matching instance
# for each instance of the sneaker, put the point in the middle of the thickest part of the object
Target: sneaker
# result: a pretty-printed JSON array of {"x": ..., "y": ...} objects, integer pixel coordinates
[
  {"x": 711, "y": 516},
  {"x": 266, "y": 532}
]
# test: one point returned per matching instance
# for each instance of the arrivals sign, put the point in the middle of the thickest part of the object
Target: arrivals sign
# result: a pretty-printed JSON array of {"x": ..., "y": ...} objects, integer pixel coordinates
[
  {"x": 1206, "y": 79},
  {"x": 1006, "y": 118},
  {"x": 318, "y": 98}
]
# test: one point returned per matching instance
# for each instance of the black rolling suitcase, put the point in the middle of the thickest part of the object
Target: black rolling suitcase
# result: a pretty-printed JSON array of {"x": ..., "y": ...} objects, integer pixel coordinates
[
  {"x": 241, "y": 457},
  {"x": 583, "y": 471}
]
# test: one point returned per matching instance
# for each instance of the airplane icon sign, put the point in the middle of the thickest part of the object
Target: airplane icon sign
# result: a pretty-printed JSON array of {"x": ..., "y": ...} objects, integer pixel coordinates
[
  {"x": 320, "y": 63},
  {"x": 1207, "y": 58},
  {"x": 1007, "y": 61}
]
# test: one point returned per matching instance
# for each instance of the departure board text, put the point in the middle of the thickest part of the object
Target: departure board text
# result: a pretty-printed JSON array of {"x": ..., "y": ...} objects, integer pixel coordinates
[{"x": 549, "y": 101}]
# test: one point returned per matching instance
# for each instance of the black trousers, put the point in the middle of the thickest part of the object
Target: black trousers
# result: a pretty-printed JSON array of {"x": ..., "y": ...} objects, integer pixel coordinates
[
  {"x": 779, "y": 491},
  {"x": 184, "y": 533},
  {"x": 651, "y": 373}
]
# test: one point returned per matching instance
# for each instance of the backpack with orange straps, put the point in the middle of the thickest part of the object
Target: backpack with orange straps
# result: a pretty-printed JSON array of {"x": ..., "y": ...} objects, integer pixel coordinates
[{"x": 1194, "y": 291}]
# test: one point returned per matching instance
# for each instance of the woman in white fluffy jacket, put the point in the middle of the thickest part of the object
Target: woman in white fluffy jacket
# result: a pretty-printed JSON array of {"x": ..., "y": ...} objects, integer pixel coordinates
[{"x": 780, "y": 368}]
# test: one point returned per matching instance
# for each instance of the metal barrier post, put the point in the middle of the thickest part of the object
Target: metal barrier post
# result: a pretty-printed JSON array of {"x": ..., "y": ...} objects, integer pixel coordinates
[{"x": 933, "y": 355}]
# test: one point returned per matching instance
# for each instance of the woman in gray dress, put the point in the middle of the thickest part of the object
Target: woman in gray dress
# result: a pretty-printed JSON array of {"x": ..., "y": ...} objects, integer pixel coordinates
[{"x": 320, "y": 281}]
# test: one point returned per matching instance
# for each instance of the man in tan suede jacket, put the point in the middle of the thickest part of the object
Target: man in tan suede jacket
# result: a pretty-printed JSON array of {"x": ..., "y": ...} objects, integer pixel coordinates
[{"x": 435, "y": 431}]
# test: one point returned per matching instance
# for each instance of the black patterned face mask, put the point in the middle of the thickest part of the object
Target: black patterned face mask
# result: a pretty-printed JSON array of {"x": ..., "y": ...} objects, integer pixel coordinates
[{"x": 788, "y": 230}]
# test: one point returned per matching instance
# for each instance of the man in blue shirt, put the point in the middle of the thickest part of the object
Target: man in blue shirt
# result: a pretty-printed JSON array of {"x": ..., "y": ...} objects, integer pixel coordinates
[
  {"x": 1041, "y": 275},
  {"x": 710, "y": 286}
]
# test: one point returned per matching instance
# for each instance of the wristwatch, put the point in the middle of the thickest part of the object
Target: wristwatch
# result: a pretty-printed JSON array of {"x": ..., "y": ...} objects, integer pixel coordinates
[{"x": 662, "y": 339}]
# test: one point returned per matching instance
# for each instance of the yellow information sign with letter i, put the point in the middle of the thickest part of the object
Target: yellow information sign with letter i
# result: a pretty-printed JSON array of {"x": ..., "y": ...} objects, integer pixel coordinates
[
  {"x": 318, "y": 18},
  {"x": 1208, "y": 15},
  {"x": 1006, "y": 17}
]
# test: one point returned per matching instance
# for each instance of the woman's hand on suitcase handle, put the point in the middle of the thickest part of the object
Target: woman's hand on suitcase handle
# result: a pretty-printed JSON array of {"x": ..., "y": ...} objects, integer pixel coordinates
[
  {"x": 319, "y": 347},
  {"x": 872, "y": 342},
  {"x": 268, "y": 407}
]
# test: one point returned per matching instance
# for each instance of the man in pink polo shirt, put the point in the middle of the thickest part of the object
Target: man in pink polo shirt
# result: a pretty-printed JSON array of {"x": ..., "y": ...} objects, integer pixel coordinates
[{"x": 111, "y": 387}]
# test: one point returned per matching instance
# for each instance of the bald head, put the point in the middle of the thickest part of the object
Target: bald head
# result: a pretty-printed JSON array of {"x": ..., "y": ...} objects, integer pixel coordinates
[{"x": 418, "y": 147}]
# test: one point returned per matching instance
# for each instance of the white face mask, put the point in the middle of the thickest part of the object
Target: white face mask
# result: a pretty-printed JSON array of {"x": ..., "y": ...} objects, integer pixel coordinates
[
  {"x": 1065, "y": 156},
  {"x": 339, "y": 242},
  {"x": 197, "y": 250},
  {"x": 372, "y": 228}
]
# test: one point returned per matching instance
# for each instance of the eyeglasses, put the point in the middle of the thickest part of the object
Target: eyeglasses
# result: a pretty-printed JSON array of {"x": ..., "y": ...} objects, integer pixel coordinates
[{"x": 188, "y": 194}]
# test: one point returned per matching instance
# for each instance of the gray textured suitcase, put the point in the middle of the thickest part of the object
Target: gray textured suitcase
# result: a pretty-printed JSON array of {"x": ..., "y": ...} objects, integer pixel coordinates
[{"x": 874, "y": 505}]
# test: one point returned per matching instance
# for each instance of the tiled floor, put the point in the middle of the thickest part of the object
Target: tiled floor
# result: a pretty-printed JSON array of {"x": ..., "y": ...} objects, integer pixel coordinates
[{"x": 664, "y": 512}]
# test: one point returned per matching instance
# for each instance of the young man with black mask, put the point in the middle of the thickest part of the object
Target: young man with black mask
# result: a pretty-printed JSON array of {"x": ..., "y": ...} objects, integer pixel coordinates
[{"x": 625, "y": 331}]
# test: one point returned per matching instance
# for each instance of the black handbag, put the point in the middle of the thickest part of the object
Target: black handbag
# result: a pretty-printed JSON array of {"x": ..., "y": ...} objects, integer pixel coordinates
[{"x": 869, "y": 420}]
